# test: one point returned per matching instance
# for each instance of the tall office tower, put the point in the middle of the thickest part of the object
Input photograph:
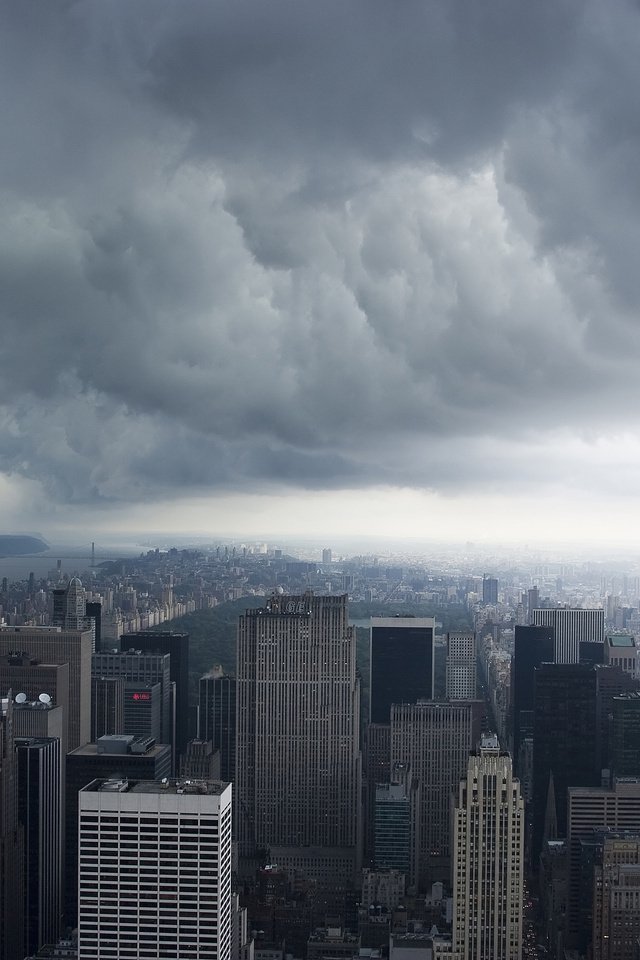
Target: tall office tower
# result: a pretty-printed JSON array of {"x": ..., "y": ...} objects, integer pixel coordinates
[
  {"x": 401, "y": 665},
  {"x": 594, "y": 809},
  {"x": 378, "y": 767},
  {"x": 40, "y": 813},
  {"x": 392, "y": 849},
  {"x": 107, "y": 706},
  {"x": 217, "y": 719},
  {"x": 489, "y": 589},
  {"x": 616, "y": 900},
  {"x": 128, "y": 908},
  {"x": 11, "y": 843},
  {"x": 622, "y": 651},
  {"x": 326, "y": 556},
  {"x": 564, "y": 740},
  {"x": 141, "y": 672},
  {"x": 112, "y": 757},
  {"x": 611, "y": 682},
  {"x": 177, "y": 646},
  {"x": 298, "y": 764},
  {"x": 57, "y": 646},
  {"x": 69, "y": 606},
  {"x": 571, "y": 626},
  {"x": 532, "y": 647},
  {"x": 26, "y": 675},
  {"x": 488, "y": 858},
  {"x": 461, "y": 665},
  {"x": 433, "y": 741},
  {"x": 625, "y": 739}
]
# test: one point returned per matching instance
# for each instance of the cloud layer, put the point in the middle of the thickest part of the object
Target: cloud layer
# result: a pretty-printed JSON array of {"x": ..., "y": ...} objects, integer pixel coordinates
[{"x": 323, "y": 245}]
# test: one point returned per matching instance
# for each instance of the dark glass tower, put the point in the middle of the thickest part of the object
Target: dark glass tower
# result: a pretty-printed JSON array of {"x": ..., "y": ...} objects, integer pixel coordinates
[
  {"x": 564, "y": 740},
  {"x": 625, "y": 740},
  {"x": 217, "y": 720},
  {"x": 40, "y": 812},
  {"x": 532, "y": 647},
  {"x": 489, "y": 589},
  {"x": 402, "y": 656}
]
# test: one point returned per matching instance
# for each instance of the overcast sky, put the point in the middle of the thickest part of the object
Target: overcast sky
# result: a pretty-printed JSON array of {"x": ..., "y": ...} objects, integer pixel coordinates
[{"x": 310, "y": 266}]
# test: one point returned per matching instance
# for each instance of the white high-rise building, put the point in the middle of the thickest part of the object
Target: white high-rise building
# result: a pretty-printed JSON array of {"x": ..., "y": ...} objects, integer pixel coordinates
[
  {"x": 461, "y": 665},
  {"x": 571, "y": 625},
  {"x": 155, "y": 870},
  {"x": 298, "y": 765},
  {"x": 488, "y": 859}
]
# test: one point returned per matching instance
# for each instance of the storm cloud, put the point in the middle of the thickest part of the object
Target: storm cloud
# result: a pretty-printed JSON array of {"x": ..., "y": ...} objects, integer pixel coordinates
[{"x": 318, "y": 244}]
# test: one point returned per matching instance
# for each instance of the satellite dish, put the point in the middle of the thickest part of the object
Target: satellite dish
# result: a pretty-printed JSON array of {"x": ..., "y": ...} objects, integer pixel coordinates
[
  {"x": 21, "y": 698},
  {"x": 44, "y": 698}
]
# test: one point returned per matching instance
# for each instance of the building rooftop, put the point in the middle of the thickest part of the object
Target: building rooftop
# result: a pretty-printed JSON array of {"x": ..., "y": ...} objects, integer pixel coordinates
[
  {"x": 208, "y": 787},
  {"x": 91, "y": 750},
  {"x": 621, "y": 640}
]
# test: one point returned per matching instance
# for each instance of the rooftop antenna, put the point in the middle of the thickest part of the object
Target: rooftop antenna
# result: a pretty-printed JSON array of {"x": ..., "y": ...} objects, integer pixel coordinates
[
  {"x": 21, "y": 698},
  {"x": 44, "y": 698}
]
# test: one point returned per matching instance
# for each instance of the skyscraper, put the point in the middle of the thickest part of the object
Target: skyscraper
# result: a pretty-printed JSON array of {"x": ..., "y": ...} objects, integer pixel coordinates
[
  {"x": 461, "y": 665},
  {"x": 564, "y": 740},
  {"x": 589, "y": 809},
  {"x": 217, "y": 719},
  {"x": 11, "y": 843},
  {"x": 177, "y": 646},
  {"x": 488, "y": 859},
  {"x": 571, "y": 626},
  {"x": 29, "y": 676},
  {"x": 489, "y": 589},
  {"x": 55, "y": 645},
  {"x": 298, "y": 765},
  {"x": 147, "y": 691},
  {"x": 532, "y": 646},
  {"x": 392, "y": 849},
  {"x": 432, "y": 740},
  {"x": 40, "y": 813},
  {"x": 112, "y": 757},
  {"x": 69, "y": 606},
  {"x": 402, "y": 656},
  {"x": 616, "y": 906},
  {"x": 155, "y": 870}
]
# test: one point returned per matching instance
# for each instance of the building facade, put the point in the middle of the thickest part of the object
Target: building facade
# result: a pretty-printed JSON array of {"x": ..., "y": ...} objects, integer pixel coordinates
[
  {"x": 40, "y": 813},
  {"x": 488, "y": 859},
  {"x": 594, "y": 809},
  {"x": 56, "y": 646},
  {"x": 564, "y": 741},
  {"x": 461, "y": 665},
  {"x": 217, "y": 719},
  {"x": 401, "y": 663},
  {"x": 298, "y": 764},
  {"x": 571, "y": 625},
  {"x": 155, "y": 870},
  {"x": 432, "y": 742}
]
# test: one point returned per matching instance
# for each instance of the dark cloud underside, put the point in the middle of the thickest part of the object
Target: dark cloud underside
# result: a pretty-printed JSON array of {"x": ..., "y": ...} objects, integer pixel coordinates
[{"x": 317, "y": 244}]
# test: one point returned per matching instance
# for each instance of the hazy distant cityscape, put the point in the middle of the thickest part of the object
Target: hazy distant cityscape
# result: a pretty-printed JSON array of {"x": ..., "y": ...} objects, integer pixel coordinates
[{"x": 326, "y": 718}]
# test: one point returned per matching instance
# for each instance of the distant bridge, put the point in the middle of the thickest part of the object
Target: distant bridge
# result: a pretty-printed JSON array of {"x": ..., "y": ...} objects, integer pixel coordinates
[{"x": 86, "y": 551}]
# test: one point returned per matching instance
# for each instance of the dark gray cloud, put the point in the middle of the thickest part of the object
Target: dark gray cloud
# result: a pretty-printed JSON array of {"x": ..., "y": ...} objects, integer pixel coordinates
[{"x": 320, "y": 244}]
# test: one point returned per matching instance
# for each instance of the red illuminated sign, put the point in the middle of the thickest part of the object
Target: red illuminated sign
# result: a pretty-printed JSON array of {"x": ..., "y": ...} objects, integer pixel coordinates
[{"x": 141, "y": 696}]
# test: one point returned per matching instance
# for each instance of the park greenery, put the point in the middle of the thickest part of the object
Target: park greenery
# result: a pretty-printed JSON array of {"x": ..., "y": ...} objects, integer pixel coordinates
[{"x": 212, "y": 635}]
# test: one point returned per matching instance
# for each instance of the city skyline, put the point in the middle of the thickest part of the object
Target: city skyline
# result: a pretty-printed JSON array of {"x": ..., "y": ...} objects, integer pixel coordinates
[{"x": 305, "y": 268}]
